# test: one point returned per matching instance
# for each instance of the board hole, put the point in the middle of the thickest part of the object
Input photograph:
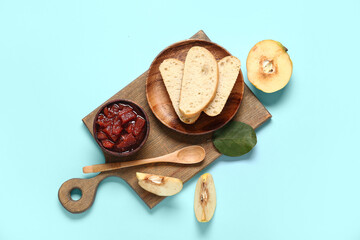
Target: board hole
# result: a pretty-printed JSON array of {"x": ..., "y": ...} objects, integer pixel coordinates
[{"x": 76, "y": 194}]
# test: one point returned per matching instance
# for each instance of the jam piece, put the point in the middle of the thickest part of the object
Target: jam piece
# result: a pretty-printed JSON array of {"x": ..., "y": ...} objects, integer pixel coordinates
[
  {"x": 108, "y": 112},
  {"x": 140, "y": 136},
  {"x": 121, "y": 106},
  {"x": 108, "y": 130},
  {"x": 116, "y": 120},
  {"x": 130, "y": 127},
  {"x": 126, "y": 117},
  {"x": 107, "y": 144},
  {"x": 117, "y": 128},
  {"x": 115, "y": 108},
  {"x": 139, "y": 124},
  {"x": 114, "y": 137},
  {"x": 101, "y": 117},
  {"x": 125, "y": 109},
  {"x": 101, "y": 136},
  {"x": 127, "y": 141},
  {"x": 103, "y": 121}
]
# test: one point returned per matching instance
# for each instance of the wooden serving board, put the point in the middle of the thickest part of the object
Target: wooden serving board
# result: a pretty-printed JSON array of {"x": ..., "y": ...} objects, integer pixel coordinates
[{"x": 161, "y": 141}]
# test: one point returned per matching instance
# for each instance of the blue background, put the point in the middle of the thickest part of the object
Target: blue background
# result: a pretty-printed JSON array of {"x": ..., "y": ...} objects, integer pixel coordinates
[{"x": 61, "y": 59}]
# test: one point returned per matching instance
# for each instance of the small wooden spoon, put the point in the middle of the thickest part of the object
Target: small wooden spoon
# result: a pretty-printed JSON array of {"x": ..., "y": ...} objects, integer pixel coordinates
[{"x": 187, "y": 155}]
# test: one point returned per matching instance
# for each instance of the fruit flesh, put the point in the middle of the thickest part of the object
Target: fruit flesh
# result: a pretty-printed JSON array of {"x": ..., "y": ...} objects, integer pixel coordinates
[
  {"x": 269, "y": 66},
  {"x": 205, "y": 198},
  {"x": 159, "y": 185}
]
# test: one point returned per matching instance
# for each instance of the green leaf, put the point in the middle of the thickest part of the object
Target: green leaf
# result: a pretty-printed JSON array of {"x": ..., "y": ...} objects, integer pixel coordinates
[{"x": 235, "y": 139}]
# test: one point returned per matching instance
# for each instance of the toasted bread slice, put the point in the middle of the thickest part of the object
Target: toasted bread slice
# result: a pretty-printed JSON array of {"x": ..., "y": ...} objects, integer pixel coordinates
[
  {"x": 199, "y": 83},
  {"x": 172, "y": 72},
  {"x": 229, "y": 68}
]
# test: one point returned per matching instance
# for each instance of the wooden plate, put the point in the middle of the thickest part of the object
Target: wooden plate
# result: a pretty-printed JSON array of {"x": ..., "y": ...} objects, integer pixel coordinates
[{"x": 159, "y": 100}]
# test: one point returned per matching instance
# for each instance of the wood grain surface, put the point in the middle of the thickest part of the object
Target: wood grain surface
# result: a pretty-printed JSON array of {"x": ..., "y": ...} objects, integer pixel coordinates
[
  {"x": 161, "y": 141},
  {"x": 159, "y": 100}
]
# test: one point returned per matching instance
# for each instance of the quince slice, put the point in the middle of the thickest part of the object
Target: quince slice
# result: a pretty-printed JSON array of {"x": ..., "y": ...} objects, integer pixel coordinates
[
  {"x": 205, "y": 198},
  {"x": 159, "y": 185}
]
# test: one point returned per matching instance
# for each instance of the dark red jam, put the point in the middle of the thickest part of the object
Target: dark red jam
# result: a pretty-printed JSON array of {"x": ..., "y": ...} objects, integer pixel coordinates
[{"x": 120, "y": 128}]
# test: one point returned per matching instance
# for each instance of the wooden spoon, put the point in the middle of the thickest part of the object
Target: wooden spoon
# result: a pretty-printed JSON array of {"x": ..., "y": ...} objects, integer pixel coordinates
[{"x": 186, "y": 155}]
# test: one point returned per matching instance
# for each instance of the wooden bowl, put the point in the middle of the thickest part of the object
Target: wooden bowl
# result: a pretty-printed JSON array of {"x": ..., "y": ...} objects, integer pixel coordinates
[
  {"x": 159, "y": 100},
  {"x": 140, "y": 111}
]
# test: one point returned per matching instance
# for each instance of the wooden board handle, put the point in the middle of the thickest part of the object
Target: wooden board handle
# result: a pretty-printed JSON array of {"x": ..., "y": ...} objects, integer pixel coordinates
[{"x": 88, "y": 189}]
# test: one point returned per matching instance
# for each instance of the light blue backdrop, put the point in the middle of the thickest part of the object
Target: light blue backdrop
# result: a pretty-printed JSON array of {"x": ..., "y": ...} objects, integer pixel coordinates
[{"x": 61, "y": 59}]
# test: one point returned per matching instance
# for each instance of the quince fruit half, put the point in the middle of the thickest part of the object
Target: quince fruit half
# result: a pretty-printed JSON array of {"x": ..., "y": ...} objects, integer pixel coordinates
[{"x": 269, "y": 66}]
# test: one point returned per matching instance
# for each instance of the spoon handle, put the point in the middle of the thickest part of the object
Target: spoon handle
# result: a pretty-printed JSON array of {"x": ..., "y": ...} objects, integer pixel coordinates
[{"x": 117, "y": 165}]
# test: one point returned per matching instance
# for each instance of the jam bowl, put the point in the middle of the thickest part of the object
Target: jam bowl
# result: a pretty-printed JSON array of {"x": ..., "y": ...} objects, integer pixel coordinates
[{"x": 121, "y": 127}]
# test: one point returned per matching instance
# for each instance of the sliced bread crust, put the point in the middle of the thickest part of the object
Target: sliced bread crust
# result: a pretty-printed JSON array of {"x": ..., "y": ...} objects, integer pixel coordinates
[
  {"x": 229, "y": 68},
  {"x": 199, "y": 83},
  {"x": 172, "y": 73}
]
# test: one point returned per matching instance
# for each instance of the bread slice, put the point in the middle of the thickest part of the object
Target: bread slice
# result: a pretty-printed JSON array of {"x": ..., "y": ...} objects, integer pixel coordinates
[
  {"x": 199, "y": 83},
  {"x": 229, "y": 68},
  {"x": 172, "y": 72}
]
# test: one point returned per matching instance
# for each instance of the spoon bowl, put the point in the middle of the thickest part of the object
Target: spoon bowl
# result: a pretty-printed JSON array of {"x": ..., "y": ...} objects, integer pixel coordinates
[{"x": 188, "y": 155}]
